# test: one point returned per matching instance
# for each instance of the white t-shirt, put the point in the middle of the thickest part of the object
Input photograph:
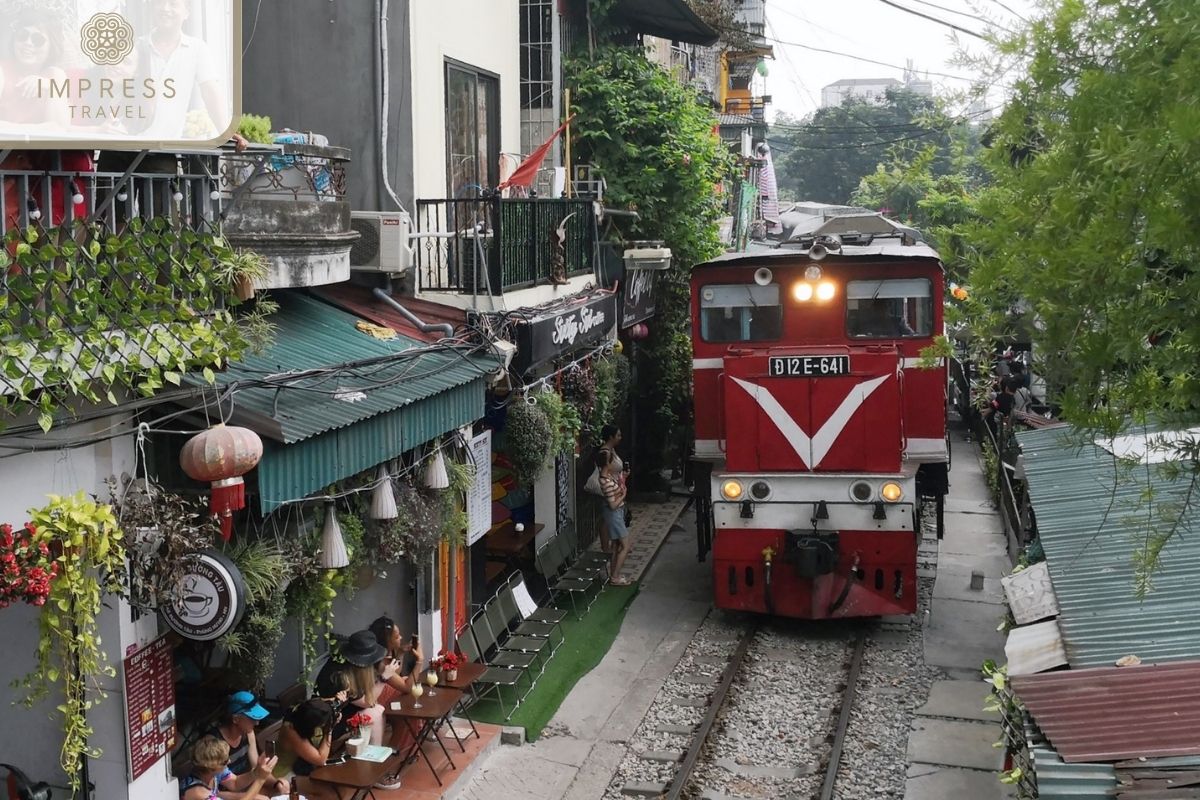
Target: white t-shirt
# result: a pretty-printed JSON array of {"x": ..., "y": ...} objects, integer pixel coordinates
[{"x": 190, "y": 64}]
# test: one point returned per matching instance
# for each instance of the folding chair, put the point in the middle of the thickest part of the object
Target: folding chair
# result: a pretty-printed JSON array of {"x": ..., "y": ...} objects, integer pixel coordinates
[
  {"x": 494, "y": 617},
  {"x": 486, "y": 641},
  {"x": 496, "y": 678},
  {"x": 520, "y": 626},
  {"x": 576, "y": 570},
  {"x": 516, "y": 583},
  {"x": 585, "y": 558},
  {"x": 549, "y": 562}
]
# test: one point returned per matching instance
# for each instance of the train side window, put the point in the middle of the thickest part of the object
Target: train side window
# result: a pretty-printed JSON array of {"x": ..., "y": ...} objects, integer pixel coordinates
[
  {"x": 889, "y": 309},
  {"x": 740, "y": 313}
]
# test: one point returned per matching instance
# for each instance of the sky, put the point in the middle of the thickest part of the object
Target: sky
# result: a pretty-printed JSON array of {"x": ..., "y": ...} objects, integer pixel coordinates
[{"x": 871, "y": 29}]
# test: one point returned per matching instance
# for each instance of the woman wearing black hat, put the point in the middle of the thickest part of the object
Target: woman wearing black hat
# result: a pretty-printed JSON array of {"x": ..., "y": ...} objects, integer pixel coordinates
[{"x": 357, "y": 657}]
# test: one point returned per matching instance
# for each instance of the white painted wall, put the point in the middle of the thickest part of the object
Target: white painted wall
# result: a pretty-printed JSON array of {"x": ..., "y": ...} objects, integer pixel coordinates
[
  {"x": 482, "y": 33},
  {"x": 25, "y": 481}
]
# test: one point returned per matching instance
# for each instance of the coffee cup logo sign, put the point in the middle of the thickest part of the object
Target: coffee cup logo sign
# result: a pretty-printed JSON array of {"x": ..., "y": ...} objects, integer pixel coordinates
[
  {"x": 210, "y": 600},
  {"x": 76, "y": 72},
  {"x": 569, "y": 326}
]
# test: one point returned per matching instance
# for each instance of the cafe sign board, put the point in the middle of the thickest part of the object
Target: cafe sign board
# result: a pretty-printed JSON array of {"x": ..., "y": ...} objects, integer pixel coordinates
[
  {"x": 210, "y": 601},
  {"x": 554, "y": 333},
  {"x": 85, "y": 74},
  {"x": 637, "y": 301},
  {"x": 149, "y": 676}
]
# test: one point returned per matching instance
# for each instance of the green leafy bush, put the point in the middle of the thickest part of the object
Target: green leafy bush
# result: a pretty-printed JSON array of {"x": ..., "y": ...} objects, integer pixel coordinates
[
  {"x": 527, "y": 440},
  {"x": 254, "y": 128}
]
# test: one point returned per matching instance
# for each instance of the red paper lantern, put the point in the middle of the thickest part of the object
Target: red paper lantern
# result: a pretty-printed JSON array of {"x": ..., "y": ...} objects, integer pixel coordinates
[
  {"x": 221, "y": 456},
  {"x": 639, "y": 331}
]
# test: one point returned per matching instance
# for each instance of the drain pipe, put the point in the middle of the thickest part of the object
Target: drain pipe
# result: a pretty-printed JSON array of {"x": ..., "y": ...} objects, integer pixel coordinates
[{"x": 423, "y": 327}]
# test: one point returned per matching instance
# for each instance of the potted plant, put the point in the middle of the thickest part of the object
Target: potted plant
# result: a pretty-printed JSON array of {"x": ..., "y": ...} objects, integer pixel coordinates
[
  {"x": 360, "y": 722},
  {"x": 447, "y": 663}
]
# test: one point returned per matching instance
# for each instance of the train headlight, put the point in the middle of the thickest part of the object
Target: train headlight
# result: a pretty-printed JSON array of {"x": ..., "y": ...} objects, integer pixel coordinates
[
  {"x": 825, "y": 291},
  {"x": 802, "y": 292},
  {"x": 760, "y": 490},
  {"x": 732, "y": 490},
  {"x": 891, "y": 492},
  {"x": 861, "y": 491},
  {"x": 812, "y": 273}
]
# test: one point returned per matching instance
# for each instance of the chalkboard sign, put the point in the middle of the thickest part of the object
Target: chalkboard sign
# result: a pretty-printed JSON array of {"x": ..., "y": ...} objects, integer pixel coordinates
[
  {"x": 479, "y": 498},
  {"x": 564, "y": 490}
]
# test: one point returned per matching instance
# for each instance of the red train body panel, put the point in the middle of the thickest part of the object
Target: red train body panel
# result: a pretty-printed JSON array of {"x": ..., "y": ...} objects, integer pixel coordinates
[{"x": 818, "y": 425}]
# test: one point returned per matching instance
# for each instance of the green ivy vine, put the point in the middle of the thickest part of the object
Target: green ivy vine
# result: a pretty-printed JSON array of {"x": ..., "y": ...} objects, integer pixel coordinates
[
  {"x": 90, "y": 314},
  {"x": 653, "y": 140},
  {"x": 87, "y": 544}
]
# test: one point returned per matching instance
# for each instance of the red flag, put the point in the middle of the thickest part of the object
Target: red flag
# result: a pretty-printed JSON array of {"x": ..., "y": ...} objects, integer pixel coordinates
[{"x": 526, "y": 171}]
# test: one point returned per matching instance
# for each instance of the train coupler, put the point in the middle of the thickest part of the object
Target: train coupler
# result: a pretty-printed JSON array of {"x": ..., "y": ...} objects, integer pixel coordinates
[{"x": 811, "y": 554}]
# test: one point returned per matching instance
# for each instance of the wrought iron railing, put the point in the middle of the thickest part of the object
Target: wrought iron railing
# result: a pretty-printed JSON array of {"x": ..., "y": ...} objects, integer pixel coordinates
[{"x": 494, "y": 245}]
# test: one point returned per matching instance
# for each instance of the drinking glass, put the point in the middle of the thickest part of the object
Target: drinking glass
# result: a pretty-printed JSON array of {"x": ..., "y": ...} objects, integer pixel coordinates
[
  {"x": 431, "y": 678},
  {"x": 416, "y": 691}
]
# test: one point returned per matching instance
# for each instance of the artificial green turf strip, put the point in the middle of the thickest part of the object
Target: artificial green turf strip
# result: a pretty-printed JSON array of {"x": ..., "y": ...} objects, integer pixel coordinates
[{"x": 587, "y": 640}]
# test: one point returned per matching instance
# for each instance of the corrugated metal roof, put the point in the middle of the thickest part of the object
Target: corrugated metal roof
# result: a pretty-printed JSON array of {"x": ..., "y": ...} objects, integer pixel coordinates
[
  {"x": 312, "y": 335},
  {"x": 1091, "y": 520},
  {"x": 1113, "y": 713},
  {"x": 1058, "y": 780},
  {"x": 1034, "y": 648}
]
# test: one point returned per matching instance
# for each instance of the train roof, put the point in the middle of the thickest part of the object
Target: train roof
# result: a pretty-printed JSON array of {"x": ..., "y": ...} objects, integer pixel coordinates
[{"x": 879, "y": 249}]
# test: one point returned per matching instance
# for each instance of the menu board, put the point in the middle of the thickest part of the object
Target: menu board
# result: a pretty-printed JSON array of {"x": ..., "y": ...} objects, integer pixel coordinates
[
  {"x": 479, "y": 498},
  {"x": 149, "y": 705}
]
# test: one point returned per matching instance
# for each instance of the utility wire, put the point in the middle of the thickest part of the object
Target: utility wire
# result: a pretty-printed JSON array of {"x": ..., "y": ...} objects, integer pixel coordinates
[
  {"x": 932, "y": 18},
  {"x": 966, "y": 14}
]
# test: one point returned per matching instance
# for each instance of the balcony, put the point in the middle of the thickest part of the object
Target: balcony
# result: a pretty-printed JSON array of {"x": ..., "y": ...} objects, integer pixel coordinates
[
  {"x": 494, "y": 245},
  {"x": 288, "y": 203},
  {"x": 111, "y": 280},
  {"x": 753, "y": 107}
]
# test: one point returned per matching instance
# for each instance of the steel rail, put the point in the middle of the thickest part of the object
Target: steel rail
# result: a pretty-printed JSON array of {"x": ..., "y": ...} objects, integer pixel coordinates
[
  {"x": 710, "y": 716},
  {"x": 839, "y": 734}
]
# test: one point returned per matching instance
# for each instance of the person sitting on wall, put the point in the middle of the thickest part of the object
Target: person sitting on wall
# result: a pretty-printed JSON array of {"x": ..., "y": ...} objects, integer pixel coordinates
[
  {"x": 304, "y": 740},
  {"x": 236, "y": 729},
  {"x": 210, "y": 771},
  {"x": 357, "y": 657}
]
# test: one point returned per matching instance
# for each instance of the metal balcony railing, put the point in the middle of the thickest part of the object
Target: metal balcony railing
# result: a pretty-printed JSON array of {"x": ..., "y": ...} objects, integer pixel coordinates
[{"x": 495, "y": 245}]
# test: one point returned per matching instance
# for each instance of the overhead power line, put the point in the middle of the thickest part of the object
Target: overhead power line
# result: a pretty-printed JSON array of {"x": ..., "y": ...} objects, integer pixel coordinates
[
  {"x": 966, "y": 14},
  {"x": 932, "y": 18}
]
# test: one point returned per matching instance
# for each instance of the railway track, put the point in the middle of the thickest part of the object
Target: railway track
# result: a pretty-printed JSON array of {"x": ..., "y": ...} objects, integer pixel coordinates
[{"x": 737, "y": 748}]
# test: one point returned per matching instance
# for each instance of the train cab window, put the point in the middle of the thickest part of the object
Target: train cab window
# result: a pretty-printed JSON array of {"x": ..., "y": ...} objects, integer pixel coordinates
[
  {"x": 740, "y": 313},
  {"x": 889, "y": 309}
]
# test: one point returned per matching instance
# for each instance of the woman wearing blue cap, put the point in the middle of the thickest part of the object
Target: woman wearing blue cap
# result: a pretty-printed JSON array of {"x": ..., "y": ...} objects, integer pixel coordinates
[{"x": 236, "y": 729}]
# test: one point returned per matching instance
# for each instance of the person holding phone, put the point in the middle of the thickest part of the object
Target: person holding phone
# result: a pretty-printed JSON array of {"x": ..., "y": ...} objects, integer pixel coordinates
[
  {"x": 397, "y": 669},
  {"x": 236, "y": 728},
  {"x": 305, "y": 739}
]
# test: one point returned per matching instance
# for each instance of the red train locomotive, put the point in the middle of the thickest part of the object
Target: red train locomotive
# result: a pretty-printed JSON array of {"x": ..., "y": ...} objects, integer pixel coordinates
[{"x": 818, "y": 428}]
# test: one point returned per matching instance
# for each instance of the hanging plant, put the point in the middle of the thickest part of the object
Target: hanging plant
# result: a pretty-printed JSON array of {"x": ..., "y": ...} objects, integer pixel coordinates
[
  {"x": 527, "y": 440},
  {"x": 164, "y": 530},
  {"x": 88, "y": 549},
  {"x": 564, "y": 421},
  {"x": 581, "y": 388},
  {"x": 252, "y": 645},
  {"x": 310, "y": 600}
]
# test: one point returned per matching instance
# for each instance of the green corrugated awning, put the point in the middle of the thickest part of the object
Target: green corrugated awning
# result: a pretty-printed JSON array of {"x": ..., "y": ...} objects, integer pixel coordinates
[{"x": 323, "y": 422}]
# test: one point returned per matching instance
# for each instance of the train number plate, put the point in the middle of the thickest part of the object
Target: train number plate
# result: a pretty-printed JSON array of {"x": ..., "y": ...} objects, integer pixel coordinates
[{"x": 807, "y": 366}]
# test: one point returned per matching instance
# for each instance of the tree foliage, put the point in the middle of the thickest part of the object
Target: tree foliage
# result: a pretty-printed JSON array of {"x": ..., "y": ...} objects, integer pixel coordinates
[
  {"x": 1091, "y": 220},
  {"x": 653, "y": 140},
  {"x": 824, "y": 158}
]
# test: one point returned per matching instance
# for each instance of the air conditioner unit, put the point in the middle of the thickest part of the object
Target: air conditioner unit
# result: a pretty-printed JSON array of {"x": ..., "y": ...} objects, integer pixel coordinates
[{"x": 384, "y": 243}]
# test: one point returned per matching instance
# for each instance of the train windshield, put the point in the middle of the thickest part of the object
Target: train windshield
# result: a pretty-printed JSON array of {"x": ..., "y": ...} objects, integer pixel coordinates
[
  {"x": 740, "y": 313},
  {"x": 889, "y": 309}
]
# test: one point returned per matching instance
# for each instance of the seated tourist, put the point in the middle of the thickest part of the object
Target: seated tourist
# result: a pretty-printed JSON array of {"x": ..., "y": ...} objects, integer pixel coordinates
[
  {"x": 210, "y": 771},
  {"x": 357, "y": 657},
  {"x": 236, "y": 729},
  {"x": 305, "y": 739},
  {"x": 402, "y": 657}
]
